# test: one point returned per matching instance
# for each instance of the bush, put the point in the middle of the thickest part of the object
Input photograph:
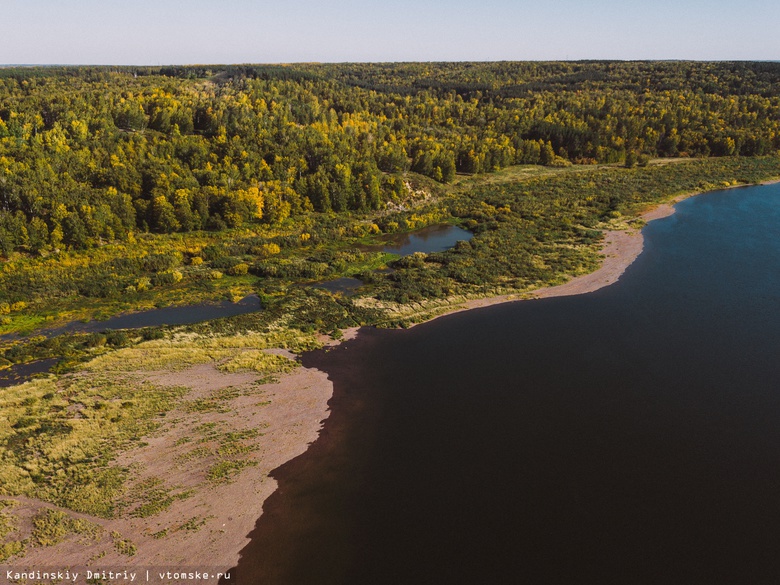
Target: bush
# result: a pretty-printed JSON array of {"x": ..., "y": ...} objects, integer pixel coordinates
[
  {"x": 292, "y": 268},
  {"x": 161, "y": 262},
  {"x": 151, "y": 334},
  {"x": 167, "y": 278},
  {"x": 212, "y": 252},
  {"x": 238, "y": 269},
  {"x": 225, "y": 263},
  {"x": 266, "y": 250},
  {"x": 117, "y": 338}
]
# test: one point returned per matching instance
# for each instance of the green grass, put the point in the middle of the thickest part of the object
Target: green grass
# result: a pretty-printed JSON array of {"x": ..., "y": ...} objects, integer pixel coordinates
[
  {"x": 11, "y": 549},
  {"x": 183, "y": 350},
  {"x": 193, "y": 524},
  {"x": 154, "y": 497},
  {"x": 47, "y": 280},
  {"x": 59, "y": 437},
  {"x": 225, "y": 471},
  {"x": 374, "y": 261},
  {"x": 223, "y": 454},
  {"x": 50, "y": 527},
  {"x": 123, "y": 546},
  {"x": 9, "y": 524}
]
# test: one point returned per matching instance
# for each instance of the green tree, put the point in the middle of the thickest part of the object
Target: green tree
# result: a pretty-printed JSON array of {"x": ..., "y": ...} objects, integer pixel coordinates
[{"x": 162, "y": 216}]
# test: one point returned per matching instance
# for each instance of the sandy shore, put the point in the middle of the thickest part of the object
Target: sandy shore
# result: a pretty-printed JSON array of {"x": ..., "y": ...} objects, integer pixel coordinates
[
  {"x": 297, "y": 424},
  {"x": 619, "y": 249},
  {"x": 207, "y": 529}
]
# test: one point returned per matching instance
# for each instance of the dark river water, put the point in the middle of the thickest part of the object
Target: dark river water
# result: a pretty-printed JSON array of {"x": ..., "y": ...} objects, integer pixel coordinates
[
  {"x": 20, "y": 373},
  {"x": 627, "y": 436}
]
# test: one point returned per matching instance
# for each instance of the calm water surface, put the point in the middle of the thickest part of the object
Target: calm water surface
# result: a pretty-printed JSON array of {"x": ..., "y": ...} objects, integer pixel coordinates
[
  {"x": 183, "y": 315},
  {"x": 23, "y": 372},
  {"x": 434, "y": 238},
  {"x": 346, "y": 285},
  {"x": 626, "y": 436}
]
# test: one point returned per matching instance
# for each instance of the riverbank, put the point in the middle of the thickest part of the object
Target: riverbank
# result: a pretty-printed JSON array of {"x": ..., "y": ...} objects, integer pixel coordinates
[
  {"x": 207, "y": 517},
  {"x": 212, "y": 520},
  {"x": 500, "y": 441},
  {"x": 619, "y": 250}
]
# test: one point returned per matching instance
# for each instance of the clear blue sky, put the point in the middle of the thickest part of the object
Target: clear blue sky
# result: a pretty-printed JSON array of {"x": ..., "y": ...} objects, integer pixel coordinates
[{"x": 156, "y": 32}]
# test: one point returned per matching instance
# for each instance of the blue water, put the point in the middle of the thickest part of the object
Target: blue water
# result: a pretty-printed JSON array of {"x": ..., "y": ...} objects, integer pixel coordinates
[
  {"x": 627, "y": 436},
  {"x": 436, "y": 238}
]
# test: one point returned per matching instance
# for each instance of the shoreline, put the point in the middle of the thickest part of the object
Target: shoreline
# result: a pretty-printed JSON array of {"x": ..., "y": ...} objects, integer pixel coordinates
[
  {"x": 208, "y": 527},
  {"x": 619, "y": 250},
  {"x": 293, "y": 421}
]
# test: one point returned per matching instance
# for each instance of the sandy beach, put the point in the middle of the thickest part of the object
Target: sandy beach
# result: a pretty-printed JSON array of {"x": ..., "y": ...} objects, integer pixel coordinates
[{"x": 619, "y": 249}]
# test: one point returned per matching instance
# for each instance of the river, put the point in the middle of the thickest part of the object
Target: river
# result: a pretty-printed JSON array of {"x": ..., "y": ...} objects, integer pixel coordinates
[{"x": 631, "y": 435}]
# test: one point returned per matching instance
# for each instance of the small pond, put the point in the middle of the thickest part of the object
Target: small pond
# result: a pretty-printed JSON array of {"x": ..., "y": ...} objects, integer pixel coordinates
[{"x": 434, "y": 238}]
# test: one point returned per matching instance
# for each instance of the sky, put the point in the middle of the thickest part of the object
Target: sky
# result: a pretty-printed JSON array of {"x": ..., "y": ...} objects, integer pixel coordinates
[{"x": 163, "y": 32}]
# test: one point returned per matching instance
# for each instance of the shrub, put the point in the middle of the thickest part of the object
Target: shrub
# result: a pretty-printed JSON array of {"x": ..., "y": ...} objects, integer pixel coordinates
[
  {"x": 267, "y": 250},
  {"x": 225, "y": 263},
  {"x": 161, "y": 262},
  {"x": 238, "y": 269},
  {"x": 143, "y": 284},
  {"x": 212, "y": 252},
  {"x": 167, "y": 278}
]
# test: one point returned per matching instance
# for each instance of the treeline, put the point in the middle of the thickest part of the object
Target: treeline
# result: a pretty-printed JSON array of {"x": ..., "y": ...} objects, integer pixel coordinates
[{"x": 89, "y": 155}]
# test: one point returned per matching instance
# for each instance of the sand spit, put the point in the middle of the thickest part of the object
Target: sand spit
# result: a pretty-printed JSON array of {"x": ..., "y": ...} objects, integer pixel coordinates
[{"x": 619, "y": 249}]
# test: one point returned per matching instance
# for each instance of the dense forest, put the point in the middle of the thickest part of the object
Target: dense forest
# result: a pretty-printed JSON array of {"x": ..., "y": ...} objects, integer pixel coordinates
[{"x": 92, "y": 155}]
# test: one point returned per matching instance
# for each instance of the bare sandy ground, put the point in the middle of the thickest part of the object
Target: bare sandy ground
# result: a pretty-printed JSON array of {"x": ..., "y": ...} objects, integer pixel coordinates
[
  {"x": 620, "y": 249},
  {"x": 208, "y": 529}
]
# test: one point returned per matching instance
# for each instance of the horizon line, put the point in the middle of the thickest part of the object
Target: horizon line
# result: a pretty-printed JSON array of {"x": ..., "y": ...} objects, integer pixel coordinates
[{"x": 235, "y": 64}]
